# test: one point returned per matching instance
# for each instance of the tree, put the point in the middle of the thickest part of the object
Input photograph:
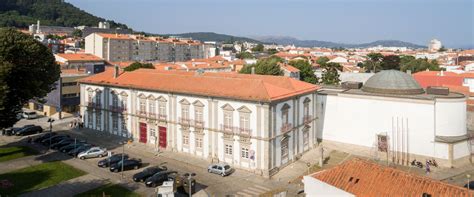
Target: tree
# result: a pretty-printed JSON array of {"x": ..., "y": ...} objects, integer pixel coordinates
[
  {"x": 390, "y": 62},
  {"x": 265, "y": 66},
  {"x": 244, "y": 55},
  {"x": 77, "y": 33},
  {"x": 306, "y": 71},
  {"x": 442, "y": 49},
  {"x": 137, "y": 65},
  {"x": 376, "y": 57},
  {"x": 331, "y": 73},
  {"x": 28, "y": 70},
  {"x": 272, "y": 51},
  {"x": 258, "y": 48},
  {"x": 417, "y": 65},
  {"x": 373, "y": 62},
  {"x": 322, "y": 60}
]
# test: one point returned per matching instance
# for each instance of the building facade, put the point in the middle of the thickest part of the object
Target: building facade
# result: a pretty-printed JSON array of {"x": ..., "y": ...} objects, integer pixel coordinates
[{"x": 258, "y": 130}]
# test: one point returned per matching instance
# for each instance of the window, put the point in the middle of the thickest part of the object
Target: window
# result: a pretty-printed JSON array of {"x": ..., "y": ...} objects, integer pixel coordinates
[
  {"x": 185, "y": 139},
  {"x": 198, "y": 142},
  {"x": 306, "y": 109},
  {"x": 284, "y": 148},
  {"x": 228, "y": 149},
  {"x": 284, "y": 116},
  {"x": 124, "y": 101},
  {"x": 228, "y": 118},
  {"x": 244, "y": 122},
  {"x": 89, "y": 119},
  {"x": 114, "y": 100},
  {"x": 142, "y": 107},
  {"x": 98, "y": 120},
  {"x": 162, "y": 108},
  {"x": 185, "y": 112},
  {"x": 124, "y": 126},
  {"x": 198, "y": 114},
  {"x": 305, "y": 137},
  {"x": 114, "y": 122},
  {"x": 70, "y": 84},
  {"x": 70, "y": 95},
  {"x": 89, "y": 97},
  {"x": 151, "y": 106},
  {"x": 97, "y": 98},
  {"x": 244, "y": 153},
  {"x": 152, "y": 131}
]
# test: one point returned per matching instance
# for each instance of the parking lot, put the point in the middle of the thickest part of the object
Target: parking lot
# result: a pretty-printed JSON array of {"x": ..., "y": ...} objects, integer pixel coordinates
[{"x": 239, "y": 183}]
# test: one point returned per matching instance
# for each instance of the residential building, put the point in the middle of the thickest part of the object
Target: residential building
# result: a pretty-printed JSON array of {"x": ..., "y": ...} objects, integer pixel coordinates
[
  {"x": 214, "y": 116},
  {"x": 358, "y": 177},
  {"x": 77, "y": 60}
]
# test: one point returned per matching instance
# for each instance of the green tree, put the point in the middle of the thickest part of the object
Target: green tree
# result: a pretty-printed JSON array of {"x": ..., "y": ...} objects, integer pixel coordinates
[
  {"x": 138, "y": 65},
  {"x": 390, "y": 62},
  {"x": 244, "y": 55},
  {"x": 417, "y": 65},
  {"x": 258, "y": 48},
  {"x": 331, "y": 73},
  {"x": 77, "y": 33},
  {"x": 28, "y": 70},
  {"x": 306, "y": 71},
  {"x": 322, "y": 60},
  {"x": 373, "y": 62},
  {"x": 272, "y": 51},
  {"x": 442, "y": 49},
  {"x": 376, "y": 57},
  {"x": 265, "y": 66}
]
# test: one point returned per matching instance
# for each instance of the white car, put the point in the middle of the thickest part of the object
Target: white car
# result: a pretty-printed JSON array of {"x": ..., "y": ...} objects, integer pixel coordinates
[
  {"x": 93, "y": 152},
  {"x": 30, "y": 115}
]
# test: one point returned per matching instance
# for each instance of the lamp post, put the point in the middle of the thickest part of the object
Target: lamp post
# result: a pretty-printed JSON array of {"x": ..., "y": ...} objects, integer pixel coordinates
[
  {"x": 50, "y": 120},
  {"x": 190, "y": 176},
  {"x": 468, "y": 180}
]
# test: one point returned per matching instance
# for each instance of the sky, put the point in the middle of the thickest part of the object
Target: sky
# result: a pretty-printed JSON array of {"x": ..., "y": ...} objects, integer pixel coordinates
[{"x": 344, "y": 21}]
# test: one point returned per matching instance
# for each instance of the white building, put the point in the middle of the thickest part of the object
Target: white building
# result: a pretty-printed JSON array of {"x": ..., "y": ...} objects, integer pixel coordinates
[
  {"x": 434, "y": 45},
  {"x": 255, "y": 122},
  {"x": 393, "y": 111}
]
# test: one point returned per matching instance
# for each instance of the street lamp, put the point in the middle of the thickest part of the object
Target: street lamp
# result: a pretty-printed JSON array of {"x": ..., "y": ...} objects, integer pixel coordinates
[
  {"x": 50, "y": 120},
  {"x": 190, "y": 176},
  {"x": 468, "y": 180}
]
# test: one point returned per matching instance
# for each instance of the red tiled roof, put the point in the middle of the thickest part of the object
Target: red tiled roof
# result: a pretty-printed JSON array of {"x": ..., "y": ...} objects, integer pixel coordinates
[
  {"x": 434, "y": 78},
  {"x": 364, "y": 178},
  {"x": 79, "y": 57},
  {"x": 115, "y": 36},
  {"x": 260, "y": 88}
]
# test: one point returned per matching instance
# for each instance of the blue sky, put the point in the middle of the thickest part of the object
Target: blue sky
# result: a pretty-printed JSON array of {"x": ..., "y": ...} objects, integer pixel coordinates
[{"x": 347, "y": 21}]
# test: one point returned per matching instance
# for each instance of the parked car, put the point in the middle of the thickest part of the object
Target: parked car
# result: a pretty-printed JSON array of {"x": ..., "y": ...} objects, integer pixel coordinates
[
  {"x": 44, "y": 136},
  {"x": 29, "y": 131},
  {"x": 30, "y": 115},
  {"x": 470, "y": 185},
  {"x": 111, "y": 160},
  {"x": 158, "y": 178},
  {"x": 13, "y": 130},
  {"x": 127, "y": 165},
  {"x": 93, "y": 152},
  {"x": 53, "y": 139},
  {"x": 221, "y": 169},
  {"x": 148, "y": 172},
  {"x": 81, "y": 148},
  {"x": 65, "y": 142},
  {"x": 69, "y": 147}
]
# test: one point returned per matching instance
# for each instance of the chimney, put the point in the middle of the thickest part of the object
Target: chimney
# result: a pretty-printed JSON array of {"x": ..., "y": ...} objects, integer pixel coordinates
[
  {"x": 409, "y": 72},
  {"x": 253, "y": 71},
  {"x": 116, "y": 71}
]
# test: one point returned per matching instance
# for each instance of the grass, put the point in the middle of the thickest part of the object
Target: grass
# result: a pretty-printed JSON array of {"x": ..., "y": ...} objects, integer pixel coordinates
[
  {"x": 15, "y": 152},
  {"x": 109, "y": 190},
  {"x": 36, "y": 177}
]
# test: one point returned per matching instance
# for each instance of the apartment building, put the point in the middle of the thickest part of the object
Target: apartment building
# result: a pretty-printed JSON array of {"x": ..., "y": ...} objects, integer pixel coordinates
[
  {"x": 120, "y": 47},
  {"x": 260, "y": 129}
]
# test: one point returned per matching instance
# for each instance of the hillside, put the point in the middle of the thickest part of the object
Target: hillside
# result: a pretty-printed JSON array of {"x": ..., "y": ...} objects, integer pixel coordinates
[
  {"x": 22, "y": 13},
  {"x": 210, "y": 36},
  {"x": 284, "y": 40}
]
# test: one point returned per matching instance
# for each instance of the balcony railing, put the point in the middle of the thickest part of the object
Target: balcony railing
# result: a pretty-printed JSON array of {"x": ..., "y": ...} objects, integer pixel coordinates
[
  {"x": 151, "y": 115},
  {"x": 162, "y": 117},
  {"x": 141, "y": 113},
  {"x": 245, "y": 131},
  {"x": 117, "y": 109},
  {"x": 185, "y": 122},
  {"x": 198, "y": 124},
  {"x": 227, "y": 129},
  {"x": 93, "y": 105},
  {"x": 307, "y": 119},
  {"x": 286, "y": 127}
]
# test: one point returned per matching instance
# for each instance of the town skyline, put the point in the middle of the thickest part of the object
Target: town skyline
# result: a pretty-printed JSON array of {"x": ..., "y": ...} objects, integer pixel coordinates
[{"x": 342, "y": 23}]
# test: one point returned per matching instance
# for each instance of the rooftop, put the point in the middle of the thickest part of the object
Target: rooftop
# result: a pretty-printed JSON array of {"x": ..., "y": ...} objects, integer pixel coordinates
[
  {"x": 79, "y": 57},
  {"x": 392, "y": 82},
  {"x": 365, "y": 178},
  {"x": 260, "y": 88}
]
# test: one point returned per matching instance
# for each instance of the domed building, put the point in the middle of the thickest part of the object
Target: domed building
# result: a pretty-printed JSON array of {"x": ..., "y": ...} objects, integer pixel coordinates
[{"x": 392, "y": 116}]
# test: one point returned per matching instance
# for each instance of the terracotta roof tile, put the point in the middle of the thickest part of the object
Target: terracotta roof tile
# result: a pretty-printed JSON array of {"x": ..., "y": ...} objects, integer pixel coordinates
[
  {"x": 79, "y": 57},
  {"x": 260, "y": 88},
  {"x": 364, "y": 178}
]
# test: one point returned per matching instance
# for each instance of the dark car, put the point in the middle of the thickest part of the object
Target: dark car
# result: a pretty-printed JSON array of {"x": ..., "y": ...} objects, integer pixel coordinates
[
  {"x": 14, "y": 130},
  {"x": 44, "y": 136},
  {"x": 470, "y": 185},
  {"x": 54, "y": 139},
  {"x": 104, "y": 163},
  {"x": 127, "y": 165},
  {"x": 29, "y": 131},
  {"x": 69, "y": 147},
  {"x": 160, "y": 177},
  {"x": 65, "y": 142},
  {"x": 148, "y": 172},
  {"x": 76, "y": 151}
]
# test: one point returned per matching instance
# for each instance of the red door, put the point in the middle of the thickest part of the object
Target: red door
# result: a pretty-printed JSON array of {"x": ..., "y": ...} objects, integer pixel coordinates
[
  {"x": 143, "y": 133},
  {"x": 162, "y": 137}
]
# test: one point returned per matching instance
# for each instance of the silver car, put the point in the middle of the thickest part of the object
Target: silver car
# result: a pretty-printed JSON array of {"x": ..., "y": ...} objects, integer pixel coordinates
[
  {"x": 93, "y": 152},
  {"x": 222, "y": 169}
]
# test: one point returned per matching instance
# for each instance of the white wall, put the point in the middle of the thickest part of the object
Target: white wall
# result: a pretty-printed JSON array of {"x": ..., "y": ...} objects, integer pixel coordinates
[
  {"x": 450, "y": 117},
  {"x": 315, "y": 188}
]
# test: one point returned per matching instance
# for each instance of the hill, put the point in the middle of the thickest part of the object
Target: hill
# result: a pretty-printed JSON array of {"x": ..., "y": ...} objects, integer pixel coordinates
[
  {"x": 210, "y": 36},
  {"x": 22, "y": 13},
  {"x": 284, "y": 40}
]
